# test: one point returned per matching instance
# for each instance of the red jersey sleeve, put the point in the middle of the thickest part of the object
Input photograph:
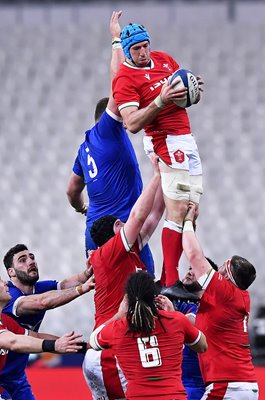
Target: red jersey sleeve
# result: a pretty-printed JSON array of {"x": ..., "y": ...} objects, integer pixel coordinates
[
  {"x": 11, "y": 325},
  {"x": 105, "y": 335},
  {"x": 191, "y": 334}
]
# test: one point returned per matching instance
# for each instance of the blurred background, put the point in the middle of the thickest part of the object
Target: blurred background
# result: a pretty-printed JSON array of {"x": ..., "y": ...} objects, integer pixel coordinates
[{"x": 54, "y": 66}]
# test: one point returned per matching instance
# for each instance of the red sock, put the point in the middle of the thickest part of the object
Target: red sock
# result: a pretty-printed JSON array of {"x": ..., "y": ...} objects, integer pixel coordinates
[{"x": 172, "y": 250}]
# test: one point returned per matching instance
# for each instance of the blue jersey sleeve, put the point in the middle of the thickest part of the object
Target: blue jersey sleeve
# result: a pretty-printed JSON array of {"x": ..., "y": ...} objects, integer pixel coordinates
[
  {"x": 185, "y": 308},
  {"x": 77, "y": 167}
]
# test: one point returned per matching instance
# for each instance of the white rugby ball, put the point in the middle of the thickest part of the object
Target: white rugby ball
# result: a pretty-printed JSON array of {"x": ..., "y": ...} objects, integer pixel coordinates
[{"x": 185, "y": 78}]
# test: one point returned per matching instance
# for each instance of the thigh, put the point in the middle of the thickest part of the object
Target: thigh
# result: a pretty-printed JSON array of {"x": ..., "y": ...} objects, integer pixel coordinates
[{"x": 103, "y": 375}]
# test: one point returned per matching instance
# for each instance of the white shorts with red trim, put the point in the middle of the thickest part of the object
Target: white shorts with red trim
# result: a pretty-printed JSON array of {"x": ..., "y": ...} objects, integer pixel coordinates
[
  {"x": 103, "y": 375},
  {"x": 177, "y": 151},
  {"x": 231, "y": 391}
]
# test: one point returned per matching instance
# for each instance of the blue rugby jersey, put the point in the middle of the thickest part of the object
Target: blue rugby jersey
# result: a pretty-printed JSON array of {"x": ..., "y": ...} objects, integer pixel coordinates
[
  {"x": 16, "y": 362},
  {"x": 107, "y": 163}
]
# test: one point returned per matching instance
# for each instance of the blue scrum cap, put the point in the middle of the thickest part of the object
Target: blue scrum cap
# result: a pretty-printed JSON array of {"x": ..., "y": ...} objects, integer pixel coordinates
[{"x": 132, "y": 34}]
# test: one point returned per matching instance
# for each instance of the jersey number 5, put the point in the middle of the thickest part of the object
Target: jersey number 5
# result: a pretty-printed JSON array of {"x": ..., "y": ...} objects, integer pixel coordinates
[
  {"x": 150, "y": 356},
  {"x": 93, "y": 171}
]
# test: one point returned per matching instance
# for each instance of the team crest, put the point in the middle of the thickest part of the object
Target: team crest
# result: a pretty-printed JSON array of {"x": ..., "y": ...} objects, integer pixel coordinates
[
  {"x": 166, "y": 66},
  {"x": 179, "y": 156}
]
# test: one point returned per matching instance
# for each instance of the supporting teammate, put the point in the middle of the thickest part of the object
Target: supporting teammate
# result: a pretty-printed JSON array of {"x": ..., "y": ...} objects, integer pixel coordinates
[{"x": 226, "y": 367}]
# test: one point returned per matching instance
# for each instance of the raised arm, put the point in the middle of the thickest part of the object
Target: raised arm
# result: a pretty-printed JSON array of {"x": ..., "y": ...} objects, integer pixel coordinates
[
  {"x": 35, "y": 303},
  {"x": 142, "y": 207},
  {"x": 117, "y": 56},
  {"x": 191, "y": 246}
]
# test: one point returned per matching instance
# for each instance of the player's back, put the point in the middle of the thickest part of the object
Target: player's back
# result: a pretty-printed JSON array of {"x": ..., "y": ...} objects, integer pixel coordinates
[
  {"x": 152, "y": 364},
  {"x": 223, "y": 317},
  {"x": 112, "y": 265},
  {"x": 110, "y": 169}
]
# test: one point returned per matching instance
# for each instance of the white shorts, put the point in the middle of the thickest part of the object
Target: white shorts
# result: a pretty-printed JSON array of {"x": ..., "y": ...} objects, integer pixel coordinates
[
  {"x": 232, "y": 391},
  {"x": 103, "y": 375},
  {"x": 177, "y": 151}
]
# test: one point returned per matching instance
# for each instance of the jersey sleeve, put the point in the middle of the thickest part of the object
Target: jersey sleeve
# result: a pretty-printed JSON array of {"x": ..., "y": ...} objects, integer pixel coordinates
[
  {"x": 125, "y": 92},
  {"x": 109, "y": 126},
  {"x": 13, "y": 326},
  {"x": 77, "y": 167},
  {"x": 216, "y": 288},
  {"x": 191, "y": 334},
  {"x": 101, "y": 338}
]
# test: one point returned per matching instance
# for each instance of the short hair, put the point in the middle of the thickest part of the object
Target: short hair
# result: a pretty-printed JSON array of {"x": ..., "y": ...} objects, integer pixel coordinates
[
  {"x": 213, "y": 265},
  {"x": 243, "y": 272},
  {"x": 102, "y": 229},
  {"x": 141, "y": 291},
  {"x": 100, "y": 108},
  {"x": 8, "y": 258}
]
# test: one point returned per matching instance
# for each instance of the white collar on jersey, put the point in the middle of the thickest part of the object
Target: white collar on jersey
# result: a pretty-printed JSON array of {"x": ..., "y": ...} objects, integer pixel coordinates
[{"x": 135, "y": 67}]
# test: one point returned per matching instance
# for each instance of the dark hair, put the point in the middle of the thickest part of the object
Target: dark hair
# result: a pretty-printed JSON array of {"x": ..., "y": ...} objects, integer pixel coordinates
[
  {"x": 100, "y": 108},
  {"x": 213, "y": 265},
  {"x": 142, "y": 310},
  {"x": 102, "y": 229},
  {"x": 244, "y": 273},
  {"x": 8, "y": 258}
]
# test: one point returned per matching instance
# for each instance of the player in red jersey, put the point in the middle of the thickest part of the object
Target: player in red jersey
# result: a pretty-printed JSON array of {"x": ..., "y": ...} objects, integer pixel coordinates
[
  {"x": 148, "y": 343},
  {"x": 115, "y": 259},
  {"x": 223, "y": 315},
  {"x": 16, "y": 338},
  {"x": 146, "y": 101}
]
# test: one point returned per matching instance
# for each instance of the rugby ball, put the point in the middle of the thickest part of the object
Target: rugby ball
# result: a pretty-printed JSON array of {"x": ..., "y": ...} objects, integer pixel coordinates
[{"x": 185, "y": 78}]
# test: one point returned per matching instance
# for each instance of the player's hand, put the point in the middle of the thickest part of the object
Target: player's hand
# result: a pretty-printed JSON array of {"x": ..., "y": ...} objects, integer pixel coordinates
[
  {"x": 83, "y": 210},
  {"x": 169, "y": 93},
  {"x": 89, "y": 284},
  {"x": 200, "y": 82},
  {"x": 163, "y": 303},
  {"x": 68, "y": 343},
  {"x": 154, "y": 161},
  {"x": 191, "y": 213},
  {"x": 115, "y": 28}
]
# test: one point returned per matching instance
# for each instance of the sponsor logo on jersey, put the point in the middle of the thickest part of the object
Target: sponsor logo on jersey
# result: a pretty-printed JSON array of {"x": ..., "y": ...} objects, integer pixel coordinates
[
  {"x": 147, "y": 76},
  {"x": 157, "y": 84}
]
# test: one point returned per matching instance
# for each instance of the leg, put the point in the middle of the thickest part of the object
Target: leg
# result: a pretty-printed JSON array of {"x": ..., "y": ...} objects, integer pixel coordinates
[
  {"x": 176, "y": 190},
  {"x": 103, "y": 375}
]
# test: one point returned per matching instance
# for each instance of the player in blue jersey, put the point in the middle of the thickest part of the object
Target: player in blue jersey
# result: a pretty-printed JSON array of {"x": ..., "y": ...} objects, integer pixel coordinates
[
  {"x": 106, "y": 163},
  {"x": 30, "y": 299}
]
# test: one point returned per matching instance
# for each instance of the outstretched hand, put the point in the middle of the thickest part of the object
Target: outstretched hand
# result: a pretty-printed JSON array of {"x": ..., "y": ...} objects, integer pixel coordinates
[
  {"x": 192, "y": 212},
  {"x": 68, "y": 343},
  {"x": 115, "y": 28}
]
